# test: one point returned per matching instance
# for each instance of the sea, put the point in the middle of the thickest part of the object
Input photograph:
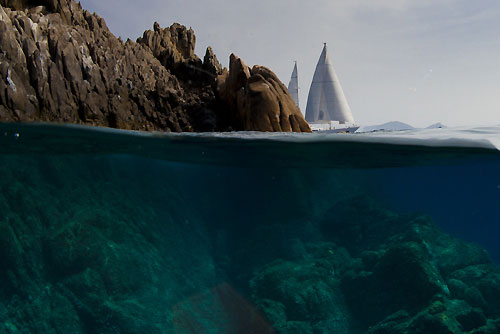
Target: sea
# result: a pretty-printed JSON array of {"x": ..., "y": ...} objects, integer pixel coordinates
[{"x": 114, "y": 231}]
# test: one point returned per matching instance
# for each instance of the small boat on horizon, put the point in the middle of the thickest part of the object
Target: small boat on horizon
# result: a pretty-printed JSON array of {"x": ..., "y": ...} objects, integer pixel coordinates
[{"x": 327, "y": 108}]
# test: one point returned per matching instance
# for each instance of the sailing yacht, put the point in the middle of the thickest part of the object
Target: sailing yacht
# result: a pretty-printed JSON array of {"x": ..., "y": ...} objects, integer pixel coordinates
[
  {"x": 293, "y": 85},
  {"x": 327, "y": 108}
]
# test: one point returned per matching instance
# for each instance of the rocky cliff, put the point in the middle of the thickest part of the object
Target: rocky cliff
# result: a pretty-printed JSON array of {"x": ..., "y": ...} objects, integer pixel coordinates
[{"x": 60, "y": 63}]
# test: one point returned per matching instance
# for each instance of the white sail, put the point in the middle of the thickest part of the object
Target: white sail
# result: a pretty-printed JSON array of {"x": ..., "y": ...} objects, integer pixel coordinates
[
  {"x": 326, "y": 101},
  {"x": 293, "y": 85}
]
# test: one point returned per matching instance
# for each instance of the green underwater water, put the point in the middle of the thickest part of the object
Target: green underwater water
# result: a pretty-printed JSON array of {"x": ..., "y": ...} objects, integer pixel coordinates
[{"x": 113, "y": 232}]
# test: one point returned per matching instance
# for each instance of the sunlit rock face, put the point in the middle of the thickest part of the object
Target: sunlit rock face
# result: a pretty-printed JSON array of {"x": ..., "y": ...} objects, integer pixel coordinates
[
  {"x": 258, "y": 99},
  {"x": 173, "y": 45}
]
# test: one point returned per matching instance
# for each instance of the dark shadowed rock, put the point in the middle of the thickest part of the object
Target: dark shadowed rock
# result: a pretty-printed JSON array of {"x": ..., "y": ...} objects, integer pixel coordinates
[
  {"x": 211, "y": 63},
  {"x": 481, "y": 286},
  {"x": 406, "y": 271},
  {"x": 62, "y": 64},
  {"x": 51, "y": 5}
]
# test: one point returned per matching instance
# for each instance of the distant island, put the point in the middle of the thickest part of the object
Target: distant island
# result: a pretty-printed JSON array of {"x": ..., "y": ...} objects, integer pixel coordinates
[
  {"x": 396, "y": 126},
  {"x": 436, "y": 126},
  {"x": 62, "y": 64}
]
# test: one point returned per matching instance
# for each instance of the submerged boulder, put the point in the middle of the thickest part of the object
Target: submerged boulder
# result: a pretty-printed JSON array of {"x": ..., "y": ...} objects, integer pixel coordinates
[{"x": 379, "y": 273}]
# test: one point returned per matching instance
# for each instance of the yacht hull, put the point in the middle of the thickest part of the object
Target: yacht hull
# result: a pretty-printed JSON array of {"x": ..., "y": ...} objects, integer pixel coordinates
[{"x": 350, "y": 129}]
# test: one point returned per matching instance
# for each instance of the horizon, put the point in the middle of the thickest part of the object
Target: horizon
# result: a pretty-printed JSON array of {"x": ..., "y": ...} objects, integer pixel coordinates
[{"x": 419, "y": 63}]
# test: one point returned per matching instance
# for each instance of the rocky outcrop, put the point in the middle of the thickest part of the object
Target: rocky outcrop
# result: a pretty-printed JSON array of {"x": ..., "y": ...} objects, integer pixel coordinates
[
  {"x": 66, "y": 66},
  {"x": 211, "y": 63},
  {"x": 261, "y": 101},
  {"x": 60, "y": 63},
  {"x": 172, "y": 46}
]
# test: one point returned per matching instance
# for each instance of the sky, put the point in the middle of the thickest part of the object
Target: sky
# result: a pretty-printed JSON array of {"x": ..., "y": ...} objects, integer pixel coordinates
[{"x": 414, "y": 61}]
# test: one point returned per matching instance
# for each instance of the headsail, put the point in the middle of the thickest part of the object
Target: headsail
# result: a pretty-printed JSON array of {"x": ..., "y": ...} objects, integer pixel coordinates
[
  {"x": 293, "y": 86},
  {"x": 326, "y": 101}
]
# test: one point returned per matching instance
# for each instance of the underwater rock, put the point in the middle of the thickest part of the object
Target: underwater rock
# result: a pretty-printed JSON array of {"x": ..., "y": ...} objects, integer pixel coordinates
[
  {"x": 482, "y": 286},
  {"x": 402, "y": 282},
  {"x": 303, "y": 290},
  {"x": 406, "y": 271},
  {"x": 219, "y": 307},
  {"x": 441, "y": 316},
  {"x": 297, "y": 327},
  {"x": 123, "y": 245},
  {"x": 492, "y": 327}
]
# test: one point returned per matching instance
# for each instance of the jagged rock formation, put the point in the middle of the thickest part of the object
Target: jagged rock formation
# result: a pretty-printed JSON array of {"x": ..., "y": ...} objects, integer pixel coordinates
[
  {"x": 67, "y": 67},
  {"x": 261, "y": 100},
  {"x": 210, "y": 62},
  {"x": 60, "y": 63},
  {"x": 172, "y": 46}
]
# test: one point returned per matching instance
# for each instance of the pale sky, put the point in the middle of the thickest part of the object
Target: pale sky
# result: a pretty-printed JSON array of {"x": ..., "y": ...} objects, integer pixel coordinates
[{"x": 414, "y": 61}]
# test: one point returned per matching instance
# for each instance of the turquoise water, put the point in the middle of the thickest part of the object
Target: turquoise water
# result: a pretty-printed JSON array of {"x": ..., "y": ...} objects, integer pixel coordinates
[{"x": 106, "y": 231}]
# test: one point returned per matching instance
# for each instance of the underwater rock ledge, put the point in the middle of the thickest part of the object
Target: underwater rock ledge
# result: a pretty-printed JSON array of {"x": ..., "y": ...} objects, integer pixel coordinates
[
  {"x": 127, "y": 245},
  {"x": 60, "y": 63}
]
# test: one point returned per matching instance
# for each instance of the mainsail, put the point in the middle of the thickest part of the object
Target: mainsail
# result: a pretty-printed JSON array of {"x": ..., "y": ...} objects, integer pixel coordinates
[
  {"x": 326, "y": 101},
  {"x": 293, "y": 86}
]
